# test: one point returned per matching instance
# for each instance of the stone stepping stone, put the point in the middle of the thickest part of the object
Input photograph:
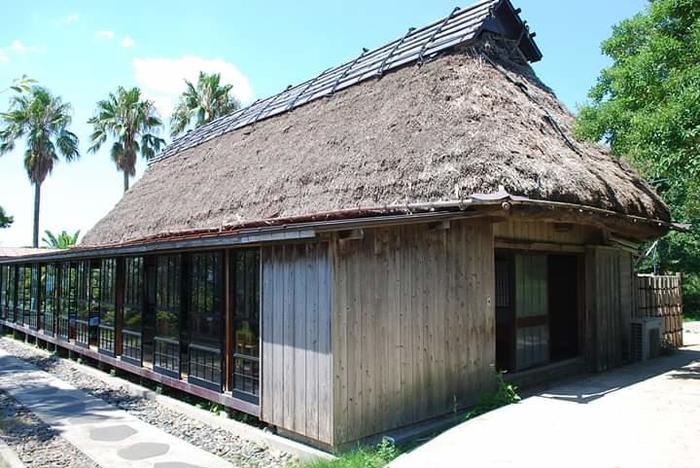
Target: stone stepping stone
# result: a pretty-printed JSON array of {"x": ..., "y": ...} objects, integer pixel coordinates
[
  {"x": 175, "y": 464},
  {"x": 143, "y": 450},
  {"x": 112, "y": 433}
]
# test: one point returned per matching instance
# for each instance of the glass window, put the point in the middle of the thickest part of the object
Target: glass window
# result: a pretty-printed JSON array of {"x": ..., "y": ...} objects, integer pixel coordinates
[
  {"x": 7, "y": 293},
  {"x": 133, "y": 309},
  {"x": 82, "y": 300},
  {"x": 205, "y": 320},
  {"x": 167, "y": 337},
  {"x": 49, "y": 298},
  {"x": 246, "y": 324},
  {"x": 3, "y": 291},
  {"x": 27, "y": 297},
  {"x": 105, "y": 299},
  {"x": 67, "y": 298}
]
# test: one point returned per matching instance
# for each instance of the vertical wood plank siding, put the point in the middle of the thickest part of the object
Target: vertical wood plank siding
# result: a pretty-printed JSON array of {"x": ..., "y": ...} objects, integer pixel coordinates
[
  {"x": 533, "y": 231},
  {"x": 609, "y": 306},
  {"x": 296, "y": 348},
  {"x": 413, "y": 325}
]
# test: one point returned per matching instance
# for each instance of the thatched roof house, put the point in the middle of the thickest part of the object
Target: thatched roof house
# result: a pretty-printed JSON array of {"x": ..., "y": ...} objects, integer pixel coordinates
[
  {"x": 356, "y": 254},
  {"x": 466, "y": 121}
]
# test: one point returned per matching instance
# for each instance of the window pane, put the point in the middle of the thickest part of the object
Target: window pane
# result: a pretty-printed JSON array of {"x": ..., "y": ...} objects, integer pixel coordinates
[
  {"x": 167, "y": 336},
  {"x": 133, "y": 309},
  {"x": 246, "y": 323},
  {"x": 205, "y": 319}
]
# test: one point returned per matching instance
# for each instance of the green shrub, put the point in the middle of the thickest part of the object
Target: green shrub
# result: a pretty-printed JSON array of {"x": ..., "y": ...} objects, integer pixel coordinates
[
  {"x": 375, "y": 457},
  {"x": 505, "y": 394},
  {"x": 691, "y": 297}
]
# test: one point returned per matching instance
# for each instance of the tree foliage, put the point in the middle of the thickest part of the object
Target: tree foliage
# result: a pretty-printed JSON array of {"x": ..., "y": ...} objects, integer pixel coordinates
[
  {"x": 42, "y": 120},
  {"x": 61, "y": 241},
  {"x": 646, "y": 106},
  {"x": 202, "y": 103},
  {"x": 132, "y": 122},
  {"x": 5, "y": 220},
  {"x": 22, "y": 84}
]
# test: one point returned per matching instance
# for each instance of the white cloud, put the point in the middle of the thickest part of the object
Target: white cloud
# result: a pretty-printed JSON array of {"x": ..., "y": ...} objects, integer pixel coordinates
[
  {"x": 163, "y": 79},
  {"x": 108, "y": 35},
  {"x": 20, "y": 48},
  {"x": 68, "y": 20},
  {"x": 127, "y": 42},
  {"x": 16, "y": 47}
]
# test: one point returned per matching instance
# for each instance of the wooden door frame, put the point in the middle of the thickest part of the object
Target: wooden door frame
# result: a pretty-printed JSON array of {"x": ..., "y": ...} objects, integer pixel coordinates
[{"x": 504, "y": 251}]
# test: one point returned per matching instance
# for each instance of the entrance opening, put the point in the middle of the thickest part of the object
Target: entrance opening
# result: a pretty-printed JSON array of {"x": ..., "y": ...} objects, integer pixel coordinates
[
  {"x": 563, "y": 306},
  {"x": 537, "y": 297}
]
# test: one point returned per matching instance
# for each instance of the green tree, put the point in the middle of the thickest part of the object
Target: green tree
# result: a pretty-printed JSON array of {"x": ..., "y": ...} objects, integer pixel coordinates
[
  {"x": 60, "y": 241},
  {"x": 43, "y": 120},
  {"x": 133, "y": 123},
  {"x": 203, "y": 102},
  {"x": 5, "y": 220},
  {"x": 19, "y": 85},
  {"x": 22, "y": 84},
  {"x": 646, "y": 106}
]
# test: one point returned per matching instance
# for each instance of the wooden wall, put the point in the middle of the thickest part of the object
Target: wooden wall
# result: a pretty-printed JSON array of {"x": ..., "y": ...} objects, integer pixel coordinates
[
  {"x": 609, "y": 306},
  {"x": 522, "y": 234},
  {"x": 296, "y": 347},
  {"x": 413, "y": 325}
]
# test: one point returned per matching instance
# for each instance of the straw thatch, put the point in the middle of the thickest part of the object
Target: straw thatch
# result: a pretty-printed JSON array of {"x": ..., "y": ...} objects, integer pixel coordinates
[{"x": 464, "y": 123}]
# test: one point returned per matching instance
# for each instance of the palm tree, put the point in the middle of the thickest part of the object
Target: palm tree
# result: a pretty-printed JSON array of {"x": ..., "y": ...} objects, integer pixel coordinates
[
  {"x": 204, "y": 102},
  {"x": 43, "y": 119},
  {"x": 22, "y": 84},
  {"x": 131, "y": 121},
  {"x": 61, "y": 241},
  {"x": 5, "y": 220}
]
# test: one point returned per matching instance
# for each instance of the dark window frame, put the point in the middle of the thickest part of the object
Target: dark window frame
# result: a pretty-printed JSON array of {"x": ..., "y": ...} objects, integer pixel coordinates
[
  {"x": 205, "y": 357},
  {"x": 168, "y": 310},
  {"x": 134, "y": 307},
  {"x": 246, "y": 284}
]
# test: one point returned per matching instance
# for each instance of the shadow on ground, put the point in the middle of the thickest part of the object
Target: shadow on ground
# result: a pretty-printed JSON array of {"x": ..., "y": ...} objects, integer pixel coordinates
[{"x": 682, "y": 364}]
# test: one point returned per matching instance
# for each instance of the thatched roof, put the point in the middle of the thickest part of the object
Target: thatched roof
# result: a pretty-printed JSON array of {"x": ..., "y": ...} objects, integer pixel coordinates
[
  {"x": 13, "y": 252},
  {"x": 466, "y": 121}
]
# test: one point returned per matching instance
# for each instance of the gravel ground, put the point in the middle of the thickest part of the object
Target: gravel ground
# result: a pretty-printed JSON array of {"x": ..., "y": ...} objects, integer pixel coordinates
[
  {"x": 215, "y": 440},
  {"x": 35, "y": 443}
]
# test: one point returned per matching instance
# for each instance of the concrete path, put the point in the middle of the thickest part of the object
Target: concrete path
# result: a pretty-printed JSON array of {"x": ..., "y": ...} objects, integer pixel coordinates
[
  {"x": 109, "y": 436},
  {"x": 641, "y": 415}
]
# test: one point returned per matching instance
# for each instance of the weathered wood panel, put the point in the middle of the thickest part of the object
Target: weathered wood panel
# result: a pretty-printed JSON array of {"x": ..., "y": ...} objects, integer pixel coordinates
[
  {"x": 296, "y": 353},
  {"x": 413, "y": 325},
  {"x": 609, "y": 302},
  {"x": 528, "y": 234},
  {"x": 661, "y": 296}
]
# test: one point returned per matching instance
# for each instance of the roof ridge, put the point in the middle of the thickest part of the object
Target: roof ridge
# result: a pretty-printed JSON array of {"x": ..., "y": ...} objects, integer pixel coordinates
[{"x": 459, "y": 27}]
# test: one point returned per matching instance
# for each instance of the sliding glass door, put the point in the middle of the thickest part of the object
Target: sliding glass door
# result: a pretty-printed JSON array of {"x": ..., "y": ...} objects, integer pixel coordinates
[
  {"x": 245, "y": 277},
  {"x": 205, "y": 311},
  {"x": 166, "y": 352},
  {"x": 134, "y": 304}
]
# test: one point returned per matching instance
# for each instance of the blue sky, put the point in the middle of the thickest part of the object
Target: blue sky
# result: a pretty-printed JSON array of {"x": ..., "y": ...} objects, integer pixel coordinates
[{"x": 84, "y": 49}]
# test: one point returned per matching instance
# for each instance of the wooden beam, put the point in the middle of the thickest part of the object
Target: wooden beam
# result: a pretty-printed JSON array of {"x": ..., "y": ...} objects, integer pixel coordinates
[{"x": 501, "y": 243}]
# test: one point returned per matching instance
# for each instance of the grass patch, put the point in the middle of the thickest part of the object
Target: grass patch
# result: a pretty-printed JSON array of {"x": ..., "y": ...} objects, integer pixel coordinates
[
  {"x": 372, "y": 457},
  {"x": 505, "y": 394}
]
